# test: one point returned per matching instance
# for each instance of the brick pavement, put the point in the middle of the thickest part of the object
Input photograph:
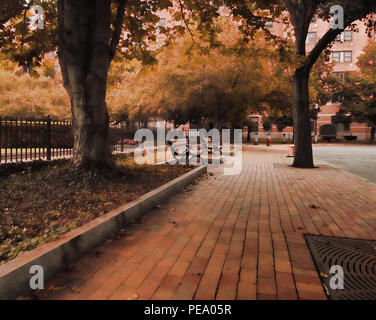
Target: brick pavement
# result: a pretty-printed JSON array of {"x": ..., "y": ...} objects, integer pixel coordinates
[{"x": 229, "y": 237}]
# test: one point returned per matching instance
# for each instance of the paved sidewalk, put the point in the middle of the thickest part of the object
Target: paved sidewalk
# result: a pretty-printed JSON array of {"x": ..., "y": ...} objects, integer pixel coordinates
[{"x": 229, "y": 237}]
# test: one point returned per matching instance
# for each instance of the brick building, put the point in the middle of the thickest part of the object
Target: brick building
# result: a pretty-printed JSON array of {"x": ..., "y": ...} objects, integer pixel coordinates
[{"x": 345, "y": 52}]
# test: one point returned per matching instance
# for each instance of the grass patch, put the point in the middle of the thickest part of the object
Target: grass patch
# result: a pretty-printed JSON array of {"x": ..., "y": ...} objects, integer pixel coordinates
[{"x": 41, "y": 201}]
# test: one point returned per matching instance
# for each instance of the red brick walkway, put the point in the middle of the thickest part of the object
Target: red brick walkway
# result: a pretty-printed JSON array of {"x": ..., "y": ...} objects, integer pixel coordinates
[{"x": 229, "y": 237}]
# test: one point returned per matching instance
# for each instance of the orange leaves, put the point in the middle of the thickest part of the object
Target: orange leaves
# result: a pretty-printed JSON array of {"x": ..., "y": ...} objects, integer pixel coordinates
[{"x": 32, "y": 97}]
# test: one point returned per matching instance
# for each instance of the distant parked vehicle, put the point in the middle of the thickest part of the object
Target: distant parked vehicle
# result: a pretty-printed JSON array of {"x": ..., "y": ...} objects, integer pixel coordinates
[{"x": 129, "y": 142}]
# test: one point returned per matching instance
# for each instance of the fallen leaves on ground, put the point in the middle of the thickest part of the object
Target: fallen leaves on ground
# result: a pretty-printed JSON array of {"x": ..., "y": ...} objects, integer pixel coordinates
[{"x": 40, "y": 204}]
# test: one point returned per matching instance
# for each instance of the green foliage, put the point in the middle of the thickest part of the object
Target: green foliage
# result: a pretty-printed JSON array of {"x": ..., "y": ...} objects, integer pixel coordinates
[
  {"x": 343, "y": 118},
  {"x": 21, "y": 45},
  {"x": 210, "y": 75},
  {"x": 321, "y": 81},
  {"x": 359, "y": 89},
  {"x": 282, "y": 122},
  {"x": 32, "y": 97},
  {"x": 139, "y": 27},
  {"x": 201, "y": 84},
  {"x": 267, "y": 123},
  {"x": 49, "y": 68}
]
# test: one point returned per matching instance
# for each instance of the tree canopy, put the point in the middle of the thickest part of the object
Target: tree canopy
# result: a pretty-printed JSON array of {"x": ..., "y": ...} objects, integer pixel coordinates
[
  {"x": 88, "y": 34},
  {"x": 358, "y": 90},
  {"x": 223, "y": 85}
]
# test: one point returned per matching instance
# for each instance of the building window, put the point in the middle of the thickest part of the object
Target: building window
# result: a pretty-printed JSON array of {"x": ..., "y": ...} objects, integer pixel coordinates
[
  {"x": 162, "y": 22},
  {"x": 342, "y": 56},
  {"x": 340, "y": 75},
  {"x": 347, "y": 35},
  {"x": 337, "y": 56},
  {"x": 311, "y": 37},
  {"x": 347, "y": 56},
  {"x": 269, "y": 25}
]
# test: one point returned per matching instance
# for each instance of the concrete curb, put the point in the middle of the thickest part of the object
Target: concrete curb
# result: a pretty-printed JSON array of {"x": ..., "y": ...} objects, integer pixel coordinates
[{"x": 54, "y": 256}]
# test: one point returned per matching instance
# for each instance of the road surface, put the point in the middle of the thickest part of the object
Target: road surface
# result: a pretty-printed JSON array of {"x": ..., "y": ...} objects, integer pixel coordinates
[{"x": 358, "y": 160}]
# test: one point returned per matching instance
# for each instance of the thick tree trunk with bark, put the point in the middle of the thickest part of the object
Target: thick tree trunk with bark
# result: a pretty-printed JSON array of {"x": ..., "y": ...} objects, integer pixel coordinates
[
  {"x": 84, "y": 55},
  {"x": 301, "y": 14},
  {"x": 302, "y": 121}
]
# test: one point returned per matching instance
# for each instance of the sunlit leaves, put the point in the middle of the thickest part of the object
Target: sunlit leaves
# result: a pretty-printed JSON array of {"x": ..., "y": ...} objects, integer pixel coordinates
[
  {"x": 201, "y": 83},
  {"x": 359, "y": 88}
]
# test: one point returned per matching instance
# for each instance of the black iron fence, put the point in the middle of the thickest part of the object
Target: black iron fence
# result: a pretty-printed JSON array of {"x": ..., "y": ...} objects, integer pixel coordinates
[
  {"x": 121, "y": 136},
  {"x": 47, "y": 139},
  {"x": 30, "y": 139}
]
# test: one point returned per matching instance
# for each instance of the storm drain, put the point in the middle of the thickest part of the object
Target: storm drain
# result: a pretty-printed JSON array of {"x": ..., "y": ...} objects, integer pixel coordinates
[{"x": 356, "y": 257}]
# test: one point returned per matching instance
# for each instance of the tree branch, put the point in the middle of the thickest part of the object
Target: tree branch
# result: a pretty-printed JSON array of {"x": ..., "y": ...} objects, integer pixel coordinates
[
  {"x": 9, "y": 11},
  {"x": 118, "y": 27},
  {"x": 185, "y": 21},
  {"x": 62, "y": 55},
  {"x": 292, "y": 9},
  {"x": 328, "y": 38}
]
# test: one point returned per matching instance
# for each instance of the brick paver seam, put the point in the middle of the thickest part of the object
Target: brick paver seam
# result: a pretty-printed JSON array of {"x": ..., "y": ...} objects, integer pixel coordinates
[
  {"x": 207, "y": 203},
  {"x": 156, "y": 244},
  {"x": 230, "y": 209},
  {"x": 249, "y": 168}
]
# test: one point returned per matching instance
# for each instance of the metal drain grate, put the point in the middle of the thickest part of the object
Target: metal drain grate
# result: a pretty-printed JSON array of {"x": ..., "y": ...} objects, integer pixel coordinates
[{"x": 356, "y": 257}]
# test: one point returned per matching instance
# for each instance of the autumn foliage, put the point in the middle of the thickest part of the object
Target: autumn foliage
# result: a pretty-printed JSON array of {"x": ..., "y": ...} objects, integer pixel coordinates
[{"x": 26, "y": 97}]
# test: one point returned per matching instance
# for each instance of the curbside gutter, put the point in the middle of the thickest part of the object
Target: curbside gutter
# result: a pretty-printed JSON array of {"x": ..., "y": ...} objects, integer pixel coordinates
[{"x": 54, "y": 256}]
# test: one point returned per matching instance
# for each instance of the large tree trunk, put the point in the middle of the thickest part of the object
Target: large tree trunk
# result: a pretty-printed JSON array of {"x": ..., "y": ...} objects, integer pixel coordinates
[
  {"x": 301, "y": 14},
  {"x": 84, "y": 55},
  {"x": 302, "y": 121}
]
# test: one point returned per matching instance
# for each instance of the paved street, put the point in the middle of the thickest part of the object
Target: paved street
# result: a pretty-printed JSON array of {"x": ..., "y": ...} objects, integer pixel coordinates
[
  {"x": 228, "y": 237},
  {"x": 359, "y": 160}
]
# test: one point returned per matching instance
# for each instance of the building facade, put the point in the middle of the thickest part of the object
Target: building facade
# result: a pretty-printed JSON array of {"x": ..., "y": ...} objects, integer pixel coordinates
[{"x": 344, "y": 54}]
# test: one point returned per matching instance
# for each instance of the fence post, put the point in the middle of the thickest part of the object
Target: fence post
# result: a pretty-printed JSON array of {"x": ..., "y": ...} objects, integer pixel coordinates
[
  {"x": 11, "y": 138},
  {"x": 1, "y": 141},
  {"x": 122, "y": 137},
  {"x": 48, "y": 138},
  {"x": 6, "y": 138}
]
